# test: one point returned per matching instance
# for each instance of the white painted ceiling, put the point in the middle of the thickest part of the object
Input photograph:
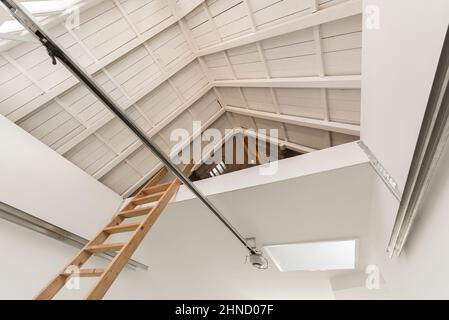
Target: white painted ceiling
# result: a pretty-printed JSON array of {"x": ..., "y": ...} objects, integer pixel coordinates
[
  {"x": 191, "y": 255},
  {"x": 294, "y": 65}
]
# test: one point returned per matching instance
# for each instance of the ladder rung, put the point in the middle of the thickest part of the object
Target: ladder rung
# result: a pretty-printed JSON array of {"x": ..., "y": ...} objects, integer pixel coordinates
[
  {"x": 157, "y": 188},
  {"x": 85, "y": 273},
  {"x": 122, "y": 228},
  {"x": 106, "y": 247},
  {"x": 147, "y": 199},
  {"x": 135, "y": 212}
]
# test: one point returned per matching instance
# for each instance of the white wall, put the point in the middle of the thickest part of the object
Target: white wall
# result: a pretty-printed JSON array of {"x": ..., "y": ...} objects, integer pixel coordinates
[
  {"x": 399, "y": 64},
  {"x": 398, "y": 67},
  {"x": 191, "y": 254},
  {"x": 39, "y": 181},
  {"x": 421, "y": 270}
]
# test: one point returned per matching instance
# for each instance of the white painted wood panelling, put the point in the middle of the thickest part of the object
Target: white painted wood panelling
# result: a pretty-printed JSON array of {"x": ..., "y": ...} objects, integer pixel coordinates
[
  {"x": 84, "y": 104},
  {"x": 139, "y": 118},
  {"x": 190, "y": 80},
  {"x": 301, "y": 102},
  {"x": 222, "y": 124},
  {"x": 111, "y": 88},
  {"x": 146, "y": 63},
  {"x": 259, "y": 99},
  {"x": 202, "y": 110},
  {"x": 135, "y": 71},
  {"x": 243, "y": 121},
  {"x": 184, "y": 121},
  {"x": 91, "y": 154},
  {"x": 309, "y": 137},
  {"x": 329, "y": 3},
  {"x": 71, "y": 45},
  {"x": 342, "y": 45},
  {"x": 160, "y": 103},
  {"x": 117, "y": 135},
  {"x": 205, "y": 107},
  {"x": 232, "y": 97},
  {"x": 121, "y": 178},
  {"x": 268, "y": 124},
  {"x": 16, "y": 90},
  {"x": 343, "y": 104},
  {"x": 37, "y": 64},
  {"x": 340, "y": 138},
  {"x": 143, "y": 161},
  {"x": 161, "y": 143}
]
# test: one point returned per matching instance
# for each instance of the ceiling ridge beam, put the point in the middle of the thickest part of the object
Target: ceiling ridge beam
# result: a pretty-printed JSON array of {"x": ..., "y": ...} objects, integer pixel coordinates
[
  {"x": 142, "y": 38},
  {"x": 280, "y": 142},
  {"x": 99, "y": 65},
  {"x": 336, "y": 12},
  {"x": 333, "y": 82},
  {"x": 332, "y": 126},
  {"x": 130, "y": 103}
]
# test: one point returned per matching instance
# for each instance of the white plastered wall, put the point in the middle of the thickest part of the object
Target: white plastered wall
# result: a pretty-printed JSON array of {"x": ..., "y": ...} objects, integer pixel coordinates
[{"x": 38, "y": 181}]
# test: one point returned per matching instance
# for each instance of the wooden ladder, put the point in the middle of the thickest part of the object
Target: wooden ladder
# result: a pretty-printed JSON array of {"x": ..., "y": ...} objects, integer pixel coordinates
[{"x": 152, "y": 192}]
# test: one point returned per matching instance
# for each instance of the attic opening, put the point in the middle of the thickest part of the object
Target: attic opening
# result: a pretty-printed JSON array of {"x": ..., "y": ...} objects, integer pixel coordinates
[{"x": 248, "y": 156}]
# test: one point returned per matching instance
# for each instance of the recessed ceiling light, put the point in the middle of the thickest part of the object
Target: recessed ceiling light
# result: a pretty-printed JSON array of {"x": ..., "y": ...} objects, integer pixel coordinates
[{"x": 314, "y": 256}]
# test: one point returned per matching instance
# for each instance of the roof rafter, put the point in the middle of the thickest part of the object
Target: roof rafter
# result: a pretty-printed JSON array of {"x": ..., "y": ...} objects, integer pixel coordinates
[
  {"x": 194, "y": 135},
  {"x": 313, "y": 19},
  {"x": 127, "y": 152},
  {"x": 340, "y": 11},
  {"x": 346, "y": 9},
  {"x": 332, "y": 126}
]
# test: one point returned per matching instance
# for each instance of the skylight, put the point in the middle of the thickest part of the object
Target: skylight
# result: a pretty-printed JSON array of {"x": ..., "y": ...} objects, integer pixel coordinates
[
  {"x": 44, "y": 7},
  {"x": 10, "y": 26},
  {"x": 314, "y": 256}
]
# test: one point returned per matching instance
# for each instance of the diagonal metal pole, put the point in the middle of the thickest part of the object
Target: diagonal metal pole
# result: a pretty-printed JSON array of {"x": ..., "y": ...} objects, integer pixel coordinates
[{"x": 56, "y": 52}]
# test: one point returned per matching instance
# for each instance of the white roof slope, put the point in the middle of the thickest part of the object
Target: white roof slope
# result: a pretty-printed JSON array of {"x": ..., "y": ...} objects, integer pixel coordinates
[{"x": 294, "y": 65}]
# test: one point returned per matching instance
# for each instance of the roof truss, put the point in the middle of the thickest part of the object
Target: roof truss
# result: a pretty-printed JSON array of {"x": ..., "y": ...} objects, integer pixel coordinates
[{"x": 197, "y": 61}]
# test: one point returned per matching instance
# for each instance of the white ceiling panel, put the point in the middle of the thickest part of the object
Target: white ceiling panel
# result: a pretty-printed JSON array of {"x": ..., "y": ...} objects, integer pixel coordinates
[
  {"x": 218, "y": 66},
  {"x": 309, "y": 137},
  {"x": 260, "y": 99},
  {"x": 233, "y": 97},
  {"x": 269, "y": 12},
  {"x": 246, "y": 62},
  {"x": 301, "y": 102},
  {"x": 201, "y": 27},
  {"x": 190, "y": 80},
  {"x": 344, "y": 105}
]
